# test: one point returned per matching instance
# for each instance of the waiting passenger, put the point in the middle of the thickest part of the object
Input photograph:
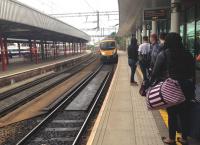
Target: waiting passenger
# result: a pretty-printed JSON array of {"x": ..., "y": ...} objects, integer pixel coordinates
[
  {"x": 133, "y": 58},
  {"x": 155, "y": 49},
  {"x": 144, "y": 57},
  {"x": 171, "y": 62}
]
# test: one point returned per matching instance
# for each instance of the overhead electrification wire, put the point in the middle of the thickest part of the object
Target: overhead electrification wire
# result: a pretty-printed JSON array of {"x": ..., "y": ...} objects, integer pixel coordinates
[{"x": 89, "y": 5}]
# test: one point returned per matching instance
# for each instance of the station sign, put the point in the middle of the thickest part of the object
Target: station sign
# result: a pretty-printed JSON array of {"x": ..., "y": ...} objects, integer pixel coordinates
[{"x": 156, "y": 14}]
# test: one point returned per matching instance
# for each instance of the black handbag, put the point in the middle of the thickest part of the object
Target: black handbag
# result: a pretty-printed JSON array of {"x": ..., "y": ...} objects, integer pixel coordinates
[
  {"x": 144, "y": 87},
  {"x": 142, "y": 90}
]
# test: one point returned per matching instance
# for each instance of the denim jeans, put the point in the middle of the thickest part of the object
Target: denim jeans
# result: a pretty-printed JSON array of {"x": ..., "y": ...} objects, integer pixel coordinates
[
  {"x": 132, "y": 63},
  {"x": 144, "y": 69}
]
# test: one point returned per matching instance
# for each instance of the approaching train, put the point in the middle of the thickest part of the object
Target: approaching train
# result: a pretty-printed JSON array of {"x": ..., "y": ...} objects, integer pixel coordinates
[{"x": 108, "y": 51}]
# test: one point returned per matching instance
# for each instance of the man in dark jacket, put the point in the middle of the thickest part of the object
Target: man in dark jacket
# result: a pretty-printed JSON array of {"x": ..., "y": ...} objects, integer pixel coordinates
[{"x": 133, "y": 58}]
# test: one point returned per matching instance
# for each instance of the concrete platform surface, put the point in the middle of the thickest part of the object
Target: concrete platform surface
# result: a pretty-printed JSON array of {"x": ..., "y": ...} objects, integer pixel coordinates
[
  {"x": 124, "y": 118},
  {"x": 14, "y": 69}
]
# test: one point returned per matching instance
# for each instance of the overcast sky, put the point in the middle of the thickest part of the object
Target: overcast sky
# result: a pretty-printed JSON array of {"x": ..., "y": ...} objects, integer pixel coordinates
[{"x": 76, "y": 6}]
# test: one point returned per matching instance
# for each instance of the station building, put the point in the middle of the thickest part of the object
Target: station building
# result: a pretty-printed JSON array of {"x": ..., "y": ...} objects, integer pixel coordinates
[{"x": 144, "y": 17}]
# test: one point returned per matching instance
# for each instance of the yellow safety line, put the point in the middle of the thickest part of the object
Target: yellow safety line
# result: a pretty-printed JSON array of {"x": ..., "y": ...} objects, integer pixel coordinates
[{"x": 164, "y": 115}]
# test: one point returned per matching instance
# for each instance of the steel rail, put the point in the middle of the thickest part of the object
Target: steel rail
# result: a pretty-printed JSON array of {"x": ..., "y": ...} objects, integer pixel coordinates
[
  {"x": 68, "y": 96},
  {"x": 34, "y": 95},
  {"x": 98, "y": 95},
  {"x": 8, "y": 93}
]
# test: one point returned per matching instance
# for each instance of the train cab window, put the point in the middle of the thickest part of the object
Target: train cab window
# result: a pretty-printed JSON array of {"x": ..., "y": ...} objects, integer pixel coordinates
[{"x": 108, "y": 45}]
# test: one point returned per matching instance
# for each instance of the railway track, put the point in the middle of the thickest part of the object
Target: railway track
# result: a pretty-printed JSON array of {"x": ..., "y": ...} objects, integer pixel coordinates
[
  {"x": 16, "y": 97},
  {"x": 67, "y": 120}
]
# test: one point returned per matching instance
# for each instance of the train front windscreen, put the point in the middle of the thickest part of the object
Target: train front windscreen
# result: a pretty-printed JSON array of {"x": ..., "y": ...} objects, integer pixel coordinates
[{"x": 110, "y": 45}]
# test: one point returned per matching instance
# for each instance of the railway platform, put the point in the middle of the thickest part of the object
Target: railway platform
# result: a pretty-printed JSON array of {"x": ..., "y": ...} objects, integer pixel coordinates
[
  {"x": 23, "y": 71},
  {"x": 124, "y": 118}
]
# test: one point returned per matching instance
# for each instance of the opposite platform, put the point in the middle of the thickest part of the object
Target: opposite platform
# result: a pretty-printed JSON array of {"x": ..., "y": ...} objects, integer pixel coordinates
[{"x": 124, "y": 118}]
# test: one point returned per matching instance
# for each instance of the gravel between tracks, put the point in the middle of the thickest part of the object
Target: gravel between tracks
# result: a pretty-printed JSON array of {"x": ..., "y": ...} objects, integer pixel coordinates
[{"x": 35, "y": 108}]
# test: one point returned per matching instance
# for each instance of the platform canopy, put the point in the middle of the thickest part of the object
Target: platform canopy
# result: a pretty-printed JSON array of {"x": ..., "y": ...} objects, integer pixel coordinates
[
  {"x": 22, "y": 22},
  {"x": 131, "y": 13}
]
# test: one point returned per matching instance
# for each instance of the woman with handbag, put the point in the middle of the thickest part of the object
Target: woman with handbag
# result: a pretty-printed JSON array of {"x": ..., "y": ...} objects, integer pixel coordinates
[{"x": 178, "y": 65}]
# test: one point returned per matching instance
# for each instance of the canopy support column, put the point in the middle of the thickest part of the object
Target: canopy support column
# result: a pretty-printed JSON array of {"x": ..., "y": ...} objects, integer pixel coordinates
[{"x": 3, "y": 59}]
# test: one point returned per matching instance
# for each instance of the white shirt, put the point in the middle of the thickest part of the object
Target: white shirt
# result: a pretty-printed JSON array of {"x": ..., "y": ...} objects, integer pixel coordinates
[{"x": 144, "y": 48}]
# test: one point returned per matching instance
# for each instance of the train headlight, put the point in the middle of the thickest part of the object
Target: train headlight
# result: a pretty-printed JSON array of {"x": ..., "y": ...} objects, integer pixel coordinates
[{"x": 103, "y": 53}]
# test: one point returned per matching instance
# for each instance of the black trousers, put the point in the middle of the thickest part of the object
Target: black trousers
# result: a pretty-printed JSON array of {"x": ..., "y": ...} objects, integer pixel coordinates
[
  {"x": 132, "y": 63},
  {"x": 175, "y": 113}
]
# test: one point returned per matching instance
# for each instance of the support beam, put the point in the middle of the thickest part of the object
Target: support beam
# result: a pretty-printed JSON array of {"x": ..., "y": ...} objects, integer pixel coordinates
[
  {"x": 6, "y": 51},
  {"x": 175, "y": 15},
  {"x": 31, "y": 50},
  {"x": 42, "y": 49},
  {"x": 54, "y": 50},
  {"x": 46, "y": 51},
  {"x": 80, "y": 47},
  {"x": 144, "y": 30},
  {"x": 73, "y": 47},
  {"x": 36, "y": 52},
  {"x": 3, "y": 60},
  {"x": 154, "y": 27},
  {"x": 19, "y": 49}
]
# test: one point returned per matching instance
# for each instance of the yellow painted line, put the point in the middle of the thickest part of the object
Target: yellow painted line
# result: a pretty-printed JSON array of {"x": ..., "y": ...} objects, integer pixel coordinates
[{"x": 139, "y": 72}]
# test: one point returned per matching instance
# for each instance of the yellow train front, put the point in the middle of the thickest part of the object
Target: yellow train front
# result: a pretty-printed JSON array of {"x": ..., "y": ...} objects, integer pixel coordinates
[{"x": 108, "y": 51}]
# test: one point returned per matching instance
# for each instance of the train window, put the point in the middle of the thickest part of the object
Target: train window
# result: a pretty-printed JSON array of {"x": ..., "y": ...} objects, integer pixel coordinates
[{"x": 107, "y": 45}]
